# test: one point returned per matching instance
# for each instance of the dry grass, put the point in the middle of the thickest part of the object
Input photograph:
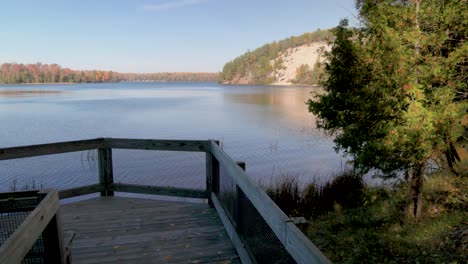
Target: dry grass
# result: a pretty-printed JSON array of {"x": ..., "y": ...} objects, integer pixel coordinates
[
  {"x": 352, "y": 223},
  {"x": 344, "y": 191}
]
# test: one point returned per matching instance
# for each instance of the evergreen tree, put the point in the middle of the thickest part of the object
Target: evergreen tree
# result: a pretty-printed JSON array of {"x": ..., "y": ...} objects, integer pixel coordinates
[{"x": 396, "y": 88}]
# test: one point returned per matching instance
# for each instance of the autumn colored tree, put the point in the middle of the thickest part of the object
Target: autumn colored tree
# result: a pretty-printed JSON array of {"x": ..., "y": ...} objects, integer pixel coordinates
[
  {"x": 53, "y": 73},
  {"x": 396, "y": 88}
]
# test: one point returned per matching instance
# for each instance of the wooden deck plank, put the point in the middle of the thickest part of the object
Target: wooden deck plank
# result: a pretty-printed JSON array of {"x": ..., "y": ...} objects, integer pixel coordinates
[{"x": 133, "y": 230}]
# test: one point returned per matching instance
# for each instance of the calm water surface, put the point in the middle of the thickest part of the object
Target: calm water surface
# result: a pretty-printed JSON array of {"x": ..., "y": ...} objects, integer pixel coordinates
[{"x": 267, "y": 127}]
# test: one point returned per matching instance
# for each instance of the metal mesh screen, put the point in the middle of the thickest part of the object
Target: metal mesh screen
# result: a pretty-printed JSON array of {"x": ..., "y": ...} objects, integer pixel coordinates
[
  {"x": 12, "y": 214},
  {"x": 9, "y": 223},
  {"x": 159, "y": 168},
  {"x": 260, "y": 241},
  {"x": 36, "y": 254},
  {"x": 58, "y": 171},
  {"x": 227, "y": 194}
]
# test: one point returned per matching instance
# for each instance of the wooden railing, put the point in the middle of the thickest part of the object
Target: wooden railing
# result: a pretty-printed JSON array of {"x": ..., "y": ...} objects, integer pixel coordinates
[
  {"x": 294, "y": 241},
  {"x": 104, "y": 146},
  {"x": 42, "y": 220}
]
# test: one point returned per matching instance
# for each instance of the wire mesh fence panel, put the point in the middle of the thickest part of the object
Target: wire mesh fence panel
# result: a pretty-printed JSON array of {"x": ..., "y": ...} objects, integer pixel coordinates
[
  {"x": 10, "y": 221},
  {"x": 261, "y": 242},
  {"x": 227, "y": 194},
  {"x": 36, "y": 253},
  {"x": 12, "y": 214},
  {"x": 159, "y": 168},
  {"x": 58, "y": 171},
  {"x": 259, "y": 239}
]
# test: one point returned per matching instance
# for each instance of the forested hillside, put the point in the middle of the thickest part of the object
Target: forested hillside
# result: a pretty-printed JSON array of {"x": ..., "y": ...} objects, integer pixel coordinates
[
  {"x": 270, "y": 63},
  {"x": 14, "y": 73}
]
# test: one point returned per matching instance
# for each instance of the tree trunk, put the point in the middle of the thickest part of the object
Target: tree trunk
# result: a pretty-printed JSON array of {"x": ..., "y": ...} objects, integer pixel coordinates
[
  {"x": 414, "y": 203},
  {"x": 415, "y": 198},
  {"x": 452, "y": 157}
]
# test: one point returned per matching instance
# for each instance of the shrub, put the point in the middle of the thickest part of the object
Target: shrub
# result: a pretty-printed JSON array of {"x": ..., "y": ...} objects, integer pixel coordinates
[
  {"x": 286, "y": 194},
  {"x": 344, "y": 191}
]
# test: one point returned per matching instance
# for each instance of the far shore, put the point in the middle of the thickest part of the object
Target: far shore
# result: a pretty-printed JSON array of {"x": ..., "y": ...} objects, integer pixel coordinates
[
  {"x": 59, "y": 83},
  {"x": 38, "y": 83}
]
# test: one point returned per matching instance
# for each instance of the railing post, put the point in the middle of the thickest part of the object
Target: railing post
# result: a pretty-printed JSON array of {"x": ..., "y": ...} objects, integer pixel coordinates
[
  {"x": 212, "y": 174},
  {"x": 52, "y": 237},
  {"x": 106, "y": 176}
]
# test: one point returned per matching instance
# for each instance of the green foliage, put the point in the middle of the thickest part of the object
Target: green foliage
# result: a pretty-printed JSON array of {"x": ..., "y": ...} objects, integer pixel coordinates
[
  {"x": 353, "y": 223},
  {"x": 306, "y": 75},
  {"x": 262, "y": 71},
  {"x": 303, "y": 75},
  {"x": 256, "y": 64},
  {"x": 374, "y": 234},
  {"x": 396, "y": 88}
]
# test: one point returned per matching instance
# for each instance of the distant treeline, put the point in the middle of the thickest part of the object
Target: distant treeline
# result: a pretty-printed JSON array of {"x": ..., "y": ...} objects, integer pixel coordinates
[
  {"x": 256, "y": 65},
  {"x": 14, "y": 73},
  {"x": 169, "y": 76}
]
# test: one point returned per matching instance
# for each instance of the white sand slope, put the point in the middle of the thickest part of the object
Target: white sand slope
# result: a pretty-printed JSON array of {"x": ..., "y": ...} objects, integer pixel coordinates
[{"x": 293, "y": 58}]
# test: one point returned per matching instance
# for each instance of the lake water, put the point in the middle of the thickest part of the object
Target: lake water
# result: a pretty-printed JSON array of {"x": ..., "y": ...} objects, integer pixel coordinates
[{"x": 268, "y": 127}]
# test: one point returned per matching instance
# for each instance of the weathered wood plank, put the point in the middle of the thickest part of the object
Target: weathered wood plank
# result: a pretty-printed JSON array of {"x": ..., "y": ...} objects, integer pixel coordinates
[
  {"x": 118, "y": 230},
  {"x": 167, "y": 191},
  {"x": 160, "y": 144},
  {"x": 138, "y": 251},
  {"x": 236, "y": 241},
  {"x": 212, "y": 174},
  {"x": 271, "y": 213},
  {"x": 126, "y": 204},
  {"x": 23, "y": 194},
  {"x": 21, "y": 241},
  {"x": 52, "y": 148},
  {"x": 106, "y": 176},
  {"x": 209, "y": 175},
  {"x": 169, "y": 237},
  {"x": 18, "y": 204},
  {"x": 80, "y": 145},
  {"x": 68, "y": 193}
]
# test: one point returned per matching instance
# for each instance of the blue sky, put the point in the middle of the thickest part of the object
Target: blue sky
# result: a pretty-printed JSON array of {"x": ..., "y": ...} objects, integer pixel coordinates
[{"x": 154, "y": 35}]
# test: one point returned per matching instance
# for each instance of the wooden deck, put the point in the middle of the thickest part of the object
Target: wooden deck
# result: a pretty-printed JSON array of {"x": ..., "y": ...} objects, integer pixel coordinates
[
  {"x": 133, "y": 230},
  {"x": 119, "y": 230}
]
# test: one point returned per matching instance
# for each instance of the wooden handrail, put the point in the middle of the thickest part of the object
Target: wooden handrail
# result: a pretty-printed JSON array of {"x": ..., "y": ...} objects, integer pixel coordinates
[
  {"x": 160, "y": 144},
  {"x": 99, "y": 143},
  {"x": 51, "y": 148}
]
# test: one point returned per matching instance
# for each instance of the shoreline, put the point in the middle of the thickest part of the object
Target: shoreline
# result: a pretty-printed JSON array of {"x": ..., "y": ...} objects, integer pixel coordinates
[
  {"x": 70, "y": 83},
  {"x": 277, "y": 85},
  {"x": 59, "y": 83}
]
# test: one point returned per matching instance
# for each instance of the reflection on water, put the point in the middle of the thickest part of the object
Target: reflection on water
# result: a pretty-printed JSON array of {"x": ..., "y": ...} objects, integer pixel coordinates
[
  {"x": 267, "y": 127},
  {"x": 289, "y": 102},
  {"x": 284, "y": 97},
  {"x": 24, "y": 93}
]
